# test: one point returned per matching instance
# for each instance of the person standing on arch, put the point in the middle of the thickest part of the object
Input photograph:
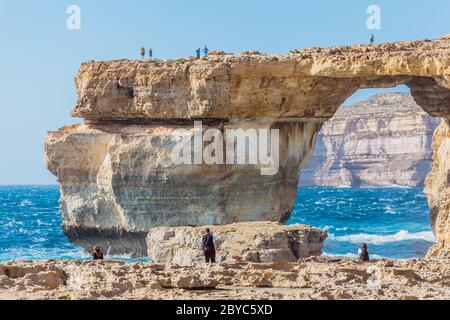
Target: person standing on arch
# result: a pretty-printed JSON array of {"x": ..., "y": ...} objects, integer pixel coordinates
[
  {"x": 206, "y": 51},
  {"x": 142, "y": 53},
  {"x": 198, "y": 52},
  {"x": 372, "y": 39},
  {"x": 150, "y": 53}
]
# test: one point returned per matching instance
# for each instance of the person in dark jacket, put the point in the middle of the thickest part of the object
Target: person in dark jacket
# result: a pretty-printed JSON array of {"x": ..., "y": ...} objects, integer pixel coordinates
[
  {"x": 97, "y": 254},
  {"x": 363, "y": 252},
  {"x": 210, "y": 246}
]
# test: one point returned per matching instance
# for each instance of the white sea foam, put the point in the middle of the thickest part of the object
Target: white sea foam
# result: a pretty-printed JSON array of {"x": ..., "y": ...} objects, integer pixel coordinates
[
  {"x": 25, "y": 203},
  {"x": 402, "y": 235},
  {"x": 389, "y": 210},
  {"x": 352, "y": 255},
  {"x": 396, "y": 186}
]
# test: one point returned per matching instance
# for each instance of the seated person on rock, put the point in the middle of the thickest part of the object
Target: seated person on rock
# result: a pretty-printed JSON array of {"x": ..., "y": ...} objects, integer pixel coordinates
[
  {"x": 363, "y": 252},
  {"x": 97, "y": 254}
]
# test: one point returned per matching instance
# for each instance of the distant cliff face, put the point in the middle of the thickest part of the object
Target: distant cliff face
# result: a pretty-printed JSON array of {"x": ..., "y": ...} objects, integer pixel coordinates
[{"x": 383, "y": 141}]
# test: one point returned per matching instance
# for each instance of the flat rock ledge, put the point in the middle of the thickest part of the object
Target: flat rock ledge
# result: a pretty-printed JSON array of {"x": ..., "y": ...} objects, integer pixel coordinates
[
  {"x": 311, "y": 278},
  {"x": 258, "y": 242}
]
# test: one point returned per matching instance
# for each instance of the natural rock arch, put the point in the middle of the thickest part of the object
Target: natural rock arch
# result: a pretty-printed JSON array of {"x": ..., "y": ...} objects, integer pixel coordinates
[{"x": 128, "y": 105}]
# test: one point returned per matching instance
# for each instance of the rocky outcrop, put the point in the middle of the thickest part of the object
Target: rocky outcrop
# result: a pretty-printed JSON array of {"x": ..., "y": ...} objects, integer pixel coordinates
[
  {"x": 383, "y": 141},
  {"x": 438, "y": 191},
  {"x": 115, "y": 182},
  {"x": 118, "y": 181},
  {"x": 251, "y": 242},
  {"x": 310, "y": 279}
]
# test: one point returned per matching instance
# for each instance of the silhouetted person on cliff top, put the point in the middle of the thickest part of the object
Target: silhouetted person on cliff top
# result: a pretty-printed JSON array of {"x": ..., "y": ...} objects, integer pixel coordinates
[
  {"x": 97, "y": 254},
  {"x": 142, "y": 53},
  {"x": 372, "y": 38},
  {"x": 363, "y": 252},
  {"x": 150, "y": 53},
  {"x": 210, "y": 245},
  {"x": 206, "y": 51},
  {"x": 198, "y": 52}
]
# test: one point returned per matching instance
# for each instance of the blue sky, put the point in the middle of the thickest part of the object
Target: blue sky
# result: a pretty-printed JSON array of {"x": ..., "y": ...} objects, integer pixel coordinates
[{"x": 40, "y": 56}]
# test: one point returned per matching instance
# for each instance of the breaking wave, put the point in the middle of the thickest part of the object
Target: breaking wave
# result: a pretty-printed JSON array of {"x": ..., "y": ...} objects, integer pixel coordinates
[{"x": 402, "y": 235}]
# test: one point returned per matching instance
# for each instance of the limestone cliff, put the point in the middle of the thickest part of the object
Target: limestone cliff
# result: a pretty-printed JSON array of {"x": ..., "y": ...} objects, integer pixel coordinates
[
  {"x": 115, "y": 180},
  {"x": 438, "y": 191},
  {"x": 383, "y": 141}
]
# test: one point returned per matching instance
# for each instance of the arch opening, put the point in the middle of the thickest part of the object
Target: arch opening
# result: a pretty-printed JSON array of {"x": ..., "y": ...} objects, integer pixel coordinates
[{"x": 365, "y": 180}]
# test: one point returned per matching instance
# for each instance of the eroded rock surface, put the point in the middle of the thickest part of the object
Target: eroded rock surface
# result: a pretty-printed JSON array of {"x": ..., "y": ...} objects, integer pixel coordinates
[
  {"x": 303, "y": 84},
  {"x": 251, "y": 242},
  {"x": 383, "y": 141},
  {"x": 312, "y": 278},
  {"x": 115, "y": 181},
  {"x": 118, "y": 181},
  {"x": 438, "y": 191}
]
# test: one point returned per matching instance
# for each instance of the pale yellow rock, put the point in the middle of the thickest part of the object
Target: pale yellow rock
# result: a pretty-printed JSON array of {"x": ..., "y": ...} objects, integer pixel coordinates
[
  {"x": 306, "y": 83},
  {"x": 438, "y": 191},
  {"x": 116, "y": 184},
  {"x": 312, "y": 278},
  {"x": 251, "y": 242},
  {"x": 118, "y": 181}
]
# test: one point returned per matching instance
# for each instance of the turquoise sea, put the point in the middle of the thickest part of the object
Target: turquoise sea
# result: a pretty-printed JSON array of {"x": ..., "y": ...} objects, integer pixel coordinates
[{"x": 393, "y": 221}]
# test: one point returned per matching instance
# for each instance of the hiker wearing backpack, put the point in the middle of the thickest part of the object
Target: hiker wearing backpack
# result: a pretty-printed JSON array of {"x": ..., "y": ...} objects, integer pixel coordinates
[{"x": 210, "y": 246}]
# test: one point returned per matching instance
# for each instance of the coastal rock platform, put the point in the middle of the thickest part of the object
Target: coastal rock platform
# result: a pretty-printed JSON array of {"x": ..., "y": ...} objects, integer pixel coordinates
[{"x": 311, "y": 278}]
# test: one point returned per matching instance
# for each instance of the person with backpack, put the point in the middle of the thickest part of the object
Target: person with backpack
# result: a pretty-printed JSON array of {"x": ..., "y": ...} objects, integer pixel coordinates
[
  {"x": 363, "y": 252},
  {"x": 209, "y": 245}
]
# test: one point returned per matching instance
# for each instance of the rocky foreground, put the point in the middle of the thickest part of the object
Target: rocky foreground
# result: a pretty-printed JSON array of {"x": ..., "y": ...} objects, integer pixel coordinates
[{"x": 311, "y": 278}]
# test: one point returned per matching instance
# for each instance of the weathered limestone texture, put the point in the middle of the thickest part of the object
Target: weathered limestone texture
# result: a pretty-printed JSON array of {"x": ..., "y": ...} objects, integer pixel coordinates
[
  {"x": 251, "y": 242},
  {"x": 115, "y": 180},
  {"x": 438, "y": 191},
  {"x": 315, "y": 278},
  {"x": 383, "y": 141}
]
